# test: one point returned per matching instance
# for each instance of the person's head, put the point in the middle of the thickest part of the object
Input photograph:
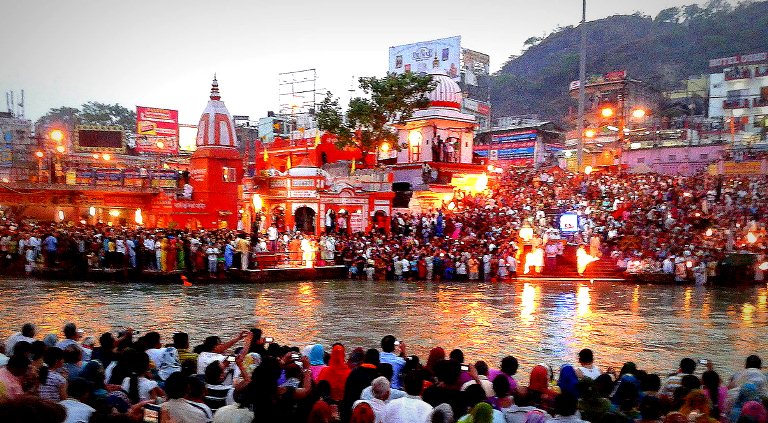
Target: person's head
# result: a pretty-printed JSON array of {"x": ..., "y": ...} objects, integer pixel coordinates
[
  {"x": 380, "y": 387},
  {"x": 53, "y": 357},
  {"x": 22, "y": 348},
  {"x": 152, "y": 340},
  {"x": 18, "y": 365},
  {"x": 176, "y": 386},
  {"x": 509, "y": 365},
  {"x": 28, "y": 408},
  {"x": 181, "y": 341},
  {"x": 481, "y": 367},
  {"x": 210, "y": 343},
  {"x": 107, "y": 342},
  {"x": 604, "y": 385},
  {"x": 586, "y": 356},
  {"x": 70, "y": 331},
  {"x": 691, "y": 382},
  {"x": 385, "y": 370},
  {"x": 474, "y": 394},
  {"x": 28, "y": 330},
  {"x": 371, "y": 356},
  {"x": 448, "y": 372},
  {"x": 72, "y": 355},
  {"x": 388, "y": 343},
  {"x": 79, "y": 388},
  {"x": 457, "y": 355},
  {"x": 413, "y": 383},
  {"x": 650, "y": 383},
  {"x": 196, "y": 388},
  {"x": 443, "y": 413},
  {"x": 293, "y": 371},
  {"x": 363, "y": 413},
  {"x": 214, "y": 374},
  {"x": 37, "y": 350},
  {"x": 501, "y": 386},
  {"x": 650, "y": 408},
  {"x": 565, "y": 405},
  {"x": 687, "y": 366},
  {"x": 753, "y": 362}
]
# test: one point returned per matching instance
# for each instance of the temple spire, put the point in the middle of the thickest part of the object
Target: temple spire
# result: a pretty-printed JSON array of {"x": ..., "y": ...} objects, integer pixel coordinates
[{"x": 215, "y": 89}]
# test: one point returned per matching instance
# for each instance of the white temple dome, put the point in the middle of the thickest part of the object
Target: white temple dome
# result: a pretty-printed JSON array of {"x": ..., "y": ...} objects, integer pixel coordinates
[
  {"x": 216, "y": 128},
  {"x": 447, "y": 93}
]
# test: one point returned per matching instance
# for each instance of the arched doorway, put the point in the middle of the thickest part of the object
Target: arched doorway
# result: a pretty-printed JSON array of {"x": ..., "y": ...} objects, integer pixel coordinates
[{"x": 305, "y": 220}]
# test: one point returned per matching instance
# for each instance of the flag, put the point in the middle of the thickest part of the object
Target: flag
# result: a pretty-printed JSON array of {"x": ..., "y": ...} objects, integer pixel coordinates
[
  {"x": 266, "y": 156},
  {"x": 317, "y": 138},
  {"x": 288, "y": 163},
  {"x": 352, "y": 171}
]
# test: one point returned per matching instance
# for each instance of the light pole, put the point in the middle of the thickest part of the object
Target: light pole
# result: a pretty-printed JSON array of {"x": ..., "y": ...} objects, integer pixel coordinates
[{"x": 582, "y": 93}]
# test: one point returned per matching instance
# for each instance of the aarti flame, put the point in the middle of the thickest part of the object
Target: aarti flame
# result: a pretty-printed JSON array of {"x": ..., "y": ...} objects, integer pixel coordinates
[{"x": 583, "y": 259}]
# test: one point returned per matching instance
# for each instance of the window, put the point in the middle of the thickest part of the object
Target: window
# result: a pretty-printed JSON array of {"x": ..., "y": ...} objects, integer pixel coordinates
[
  {"x": 704, "y": 156},
  {"x": 640, "y": 160},
  {"x": 229, "y": 174},
  {"x": 671, "y": 158}
]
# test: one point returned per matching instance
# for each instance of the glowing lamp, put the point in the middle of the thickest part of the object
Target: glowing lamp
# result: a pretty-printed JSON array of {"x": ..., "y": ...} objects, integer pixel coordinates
[
  {"x": 39, "y": 154},
  {"x": 258, "y": 203},
  {"x": 114, "y": 213},
  {"x": 588, "y": 170},
  {"x": 160, "y": 144},
  {"x": 6, "y": 180},
  {"x": 568, "y": 154},
  {"x": 606, "y": 112},
  {"x": 590, "y": 133},
  {"x": 60, "y": 149},
  {"x": 106, "y": 156},
  {"x": 751, "y": 238},
  {"x": 56, "y": 135},
  {"x": 384, "y": 147},
  {"x": 491, "y": 168},
  {"x": 481, "y": 183},
  {"x": 61, "y": 215},
  {"x": 709, "y": 232},
  {"x": 638, "y": 113},
  {"x": 697, "y": 214},
  {"x": 138, "y": 217},
  {"x": 763, "y": 265},
  {"x": 689, "y": 264},
  {"x": 92, "y": 211},
  {"x": 451, "y": 206},
  {"x": 526, "y": 233},
  {"x": 96, "y": 156},
  {"x": 83, "y": 222},
  {"x": 415, "y": 138}
]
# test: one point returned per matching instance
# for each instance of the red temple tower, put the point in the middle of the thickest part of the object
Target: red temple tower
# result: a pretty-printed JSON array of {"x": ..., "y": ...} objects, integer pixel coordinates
[{"x": 216, "y": 167}]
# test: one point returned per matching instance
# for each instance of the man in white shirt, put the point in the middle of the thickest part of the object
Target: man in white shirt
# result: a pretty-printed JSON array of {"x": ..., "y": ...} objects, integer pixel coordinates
[
  {"x": 272, "y": 235},
  {"x": 411, "y": 408},
  {"x": 27, "y": 334},
  {"x": 178, "y": 409},
  {"x": 149, "y": 256},
  {"x": 77, "y": 410},
  {"x": 380, "y": 388}
]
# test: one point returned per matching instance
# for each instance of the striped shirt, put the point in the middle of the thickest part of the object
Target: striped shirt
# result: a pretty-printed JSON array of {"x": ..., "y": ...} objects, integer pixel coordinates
[{"x": 51, "y": 390}]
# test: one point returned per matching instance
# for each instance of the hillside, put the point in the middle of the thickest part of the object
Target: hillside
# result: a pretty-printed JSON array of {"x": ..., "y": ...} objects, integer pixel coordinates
[{"x": 661, "y": 51}]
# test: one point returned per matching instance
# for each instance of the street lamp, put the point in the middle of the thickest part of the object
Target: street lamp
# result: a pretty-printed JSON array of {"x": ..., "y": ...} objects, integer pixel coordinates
[{"x": 258, "y": 204}]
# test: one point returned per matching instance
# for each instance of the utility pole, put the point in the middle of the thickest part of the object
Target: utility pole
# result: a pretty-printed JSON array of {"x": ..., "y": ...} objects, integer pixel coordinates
[{"x": 582, "y": 93}]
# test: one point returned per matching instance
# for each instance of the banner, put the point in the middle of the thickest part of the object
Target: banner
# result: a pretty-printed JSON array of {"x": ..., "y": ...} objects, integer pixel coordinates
[
  {"x": 157, "y": 130},
  {"x": 426, "y": 56}
]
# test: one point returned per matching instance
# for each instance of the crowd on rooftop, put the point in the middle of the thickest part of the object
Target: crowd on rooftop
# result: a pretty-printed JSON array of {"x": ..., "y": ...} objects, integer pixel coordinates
[
  {"x": 253, "y": 378},
  {"x": 686, "y": 226}
]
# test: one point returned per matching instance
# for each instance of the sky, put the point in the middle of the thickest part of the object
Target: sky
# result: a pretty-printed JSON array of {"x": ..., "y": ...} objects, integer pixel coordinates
[{"x": 163, "y": 53}]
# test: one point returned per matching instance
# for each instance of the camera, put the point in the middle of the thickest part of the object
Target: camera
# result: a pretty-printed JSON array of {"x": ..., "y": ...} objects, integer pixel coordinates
[
  {"x": 268, "y": 339},
  {"x": 464, "y": 368},
  {"x": 295, "y": 357},
  {"x": 397, "y": 343},
  {"x": 703, "y": 361}
]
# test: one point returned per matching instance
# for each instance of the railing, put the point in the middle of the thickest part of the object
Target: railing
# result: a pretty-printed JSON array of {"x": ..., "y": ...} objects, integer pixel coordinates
[
  {"x": 761, "y": 71},
  {"x": 737, "y": 73}
]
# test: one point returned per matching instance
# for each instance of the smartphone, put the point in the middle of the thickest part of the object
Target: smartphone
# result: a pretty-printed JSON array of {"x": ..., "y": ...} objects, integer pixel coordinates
[
  {"x": 295, "y": 357},
  {"x": 268, "y": 339},
  {"x": 151, "y": 413},
  {"x": 703, "y": 361},
  {"x": 464, "y": 368},
  {"x": 397, "y": 343},
  {"x": 230, "y": 358}
]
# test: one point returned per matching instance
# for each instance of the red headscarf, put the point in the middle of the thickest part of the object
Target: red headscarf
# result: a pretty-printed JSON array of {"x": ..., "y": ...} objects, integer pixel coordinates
[
  {"x": 539, "y": 379},
  {"x": 363, "y": 413},
  {"x": 321, "y": 413},
  {"x": 436, "y": 355},
  {"x": 336, "y": 373}
]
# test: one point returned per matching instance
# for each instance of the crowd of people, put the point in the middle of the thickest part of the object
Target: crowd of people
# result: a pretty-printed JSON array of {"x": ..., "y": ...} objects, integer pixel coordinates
[
  {"x": 649, "y": 223},
  {"x": 253, "y": 378}
]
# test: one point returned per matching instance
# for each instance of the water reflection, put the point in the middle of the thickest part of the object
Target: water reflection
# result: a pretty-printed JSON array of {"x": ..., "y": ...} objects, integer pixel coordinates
[{"x": 535, "y": 321}]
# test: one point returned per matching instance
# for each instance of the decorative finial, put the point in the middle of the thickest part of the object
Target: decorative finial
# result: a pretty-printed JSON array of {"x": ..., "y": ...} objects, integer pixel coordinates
[{"x": 215, "y": 89}]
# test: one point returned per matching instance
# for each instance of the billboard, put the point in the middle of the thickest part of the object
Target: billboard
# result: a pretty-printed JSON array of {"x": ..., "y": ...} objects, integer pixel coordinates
[
  {"x": 99, "y": 139},
  {"x": 423, "y": 57},
  {"x": 157, "y": 130}
]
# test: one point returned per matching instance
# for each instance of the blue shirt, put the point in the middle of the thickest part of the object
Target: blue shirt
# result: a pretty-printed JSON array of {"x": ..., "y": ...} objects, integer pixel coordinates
[
  {"x": 397, "y": 363},
  {"x": 50, "y": 243}
]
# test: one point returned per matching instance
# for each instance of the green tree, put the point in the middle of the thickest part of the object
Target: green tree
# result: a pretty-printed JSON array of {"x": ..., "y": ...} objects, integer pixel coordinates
[
  {"x": 368, "y": 121},
  {"x": 59, "y": 116},
  {"x": 95, "y": 113}
]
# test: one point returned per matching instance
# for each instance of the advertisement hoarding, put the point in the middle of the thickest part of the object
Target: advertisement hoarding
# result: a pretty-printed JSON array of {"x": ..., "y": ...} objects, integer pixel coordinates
[
  {"x": 157, "y": 130},
  {"x": 423, "y": 57}
]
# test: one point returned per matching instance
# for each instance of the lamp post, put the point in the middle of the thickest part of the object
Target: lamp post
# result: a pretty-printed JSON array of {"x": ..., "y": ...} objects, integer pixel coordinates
[
  {"x": 258, "y": 203},
  {"x": 582, "y": 93}
]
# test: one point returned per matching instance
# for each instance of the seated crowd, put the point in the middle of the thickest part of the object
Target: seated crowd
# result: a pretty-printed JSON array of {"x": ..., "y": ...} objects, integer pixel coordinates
[{"x": 252, "y": 378}]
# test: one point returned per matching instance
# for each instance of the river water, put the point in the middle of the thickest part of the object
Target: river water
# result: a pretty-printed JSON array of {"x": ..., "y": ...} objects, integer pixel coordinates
[{"x": 539, "y": 321}]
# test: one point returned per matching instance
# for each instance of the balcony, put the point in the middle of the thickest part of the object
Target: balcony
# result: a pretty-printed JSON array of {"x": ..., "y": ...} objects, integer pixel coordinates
[
  {"x": 760, "y": 102},
  {"x": 737, "y": 73},
  {"x": 742, "y": 103}
]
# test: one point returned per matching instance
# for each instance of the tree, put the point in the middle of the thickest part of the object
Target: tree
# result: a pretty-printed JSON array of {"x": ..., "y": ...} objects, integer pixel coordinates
[
  {"x": 670, "y": 14},
  {"x": 368, "y": 121},
  {"x": 531, "y": 41},
  {"x": 92, "y": 113}
]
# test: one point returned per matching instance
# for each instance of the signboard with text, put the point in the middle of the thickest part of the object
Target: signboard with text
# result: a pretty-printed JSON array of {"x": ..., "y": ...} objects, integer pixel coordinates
[
  {"x": 424, "y": 57},
  {"x": 157, "y": 130},
  {"x": 743, "y": 59}
]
